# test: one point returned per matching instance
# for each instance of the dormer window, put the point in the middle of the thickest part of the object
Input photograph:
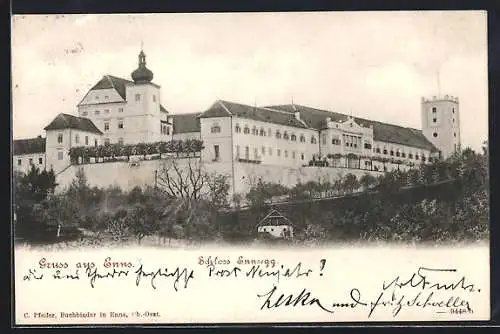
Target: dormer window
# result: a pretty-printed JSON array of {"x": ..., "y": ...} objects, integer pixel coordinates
[{"x": 215, "y": 128}]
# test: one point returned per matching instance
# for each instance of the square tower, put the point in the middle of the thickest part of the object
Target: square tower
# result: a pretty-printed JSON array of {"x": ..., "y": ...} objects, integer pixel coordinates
[{"x": 441, "y": 123}]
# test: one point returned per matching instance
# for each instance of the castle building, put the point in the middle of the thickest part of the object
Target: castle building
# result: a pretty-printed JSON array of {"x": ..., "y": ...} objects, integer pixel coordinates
[{"x": 117, "y": 110}]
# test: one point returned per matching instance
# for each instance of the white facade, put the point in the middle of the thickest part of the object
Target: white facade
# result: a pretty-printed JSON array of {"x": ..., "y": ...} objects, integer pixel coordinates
[
  {"x": 23, "y": 162},
  {"x": 441, "y": 123}
]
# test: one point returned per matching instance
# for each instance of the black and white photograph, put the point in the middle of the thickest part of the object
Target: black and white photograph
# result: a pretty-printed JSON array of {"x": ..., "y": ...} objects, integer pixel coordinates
[{"x": 168, "y": 155}]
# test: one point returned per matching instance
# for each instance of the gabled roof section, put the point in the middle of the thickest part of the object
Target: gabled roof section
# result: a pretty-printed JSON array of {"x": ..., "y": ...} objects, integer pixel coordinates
[
  {"x": 184, "y": 123},
  {"x": 162, "y": 109},
  {"x": 225, "y": 108},
  {"x": 273, "y": 216},
  {"x": 111, "y": 82},
  {"x": 28, "y": 146},
  {"x": 66, "y": 121},
  {"x": 390, "y": 133}
]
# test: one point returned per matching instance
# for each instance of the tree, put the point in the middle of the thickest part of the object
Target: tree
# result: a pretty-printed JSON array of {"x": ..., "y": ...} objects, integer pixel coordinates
[
  {"x": 35, "y": 185},
  {"x": 218, "y": 191},
  {"x": 182, "y": 180},
  {"x": 58, "y": 211},
  {"x": 350, "y": 183},
  {"x": 367, "y": 181}
]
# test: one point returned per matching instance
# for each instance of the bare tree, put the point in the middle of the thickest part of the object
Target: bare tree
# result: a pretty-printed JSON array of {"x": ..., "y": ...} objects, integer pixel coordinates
[{"x": 183, "y": 179}]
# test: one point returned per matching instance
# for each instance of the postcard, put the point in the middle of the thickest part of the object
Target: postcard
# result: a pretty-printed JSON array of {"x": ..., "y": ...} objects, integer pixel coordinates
[{"x": 250, "y": 168}]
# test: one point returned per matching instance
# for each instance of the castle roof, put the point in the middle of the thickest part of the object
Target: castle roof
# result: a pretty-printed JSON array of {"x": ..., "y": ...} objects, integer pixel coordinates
[
  {"x": 66, "y": 121},
  {"x": 184, "y": 123},
  {"x": 28, "y": 146},
  {"x": 225, "y": 108},
  {"x": 384, "y": 132}
]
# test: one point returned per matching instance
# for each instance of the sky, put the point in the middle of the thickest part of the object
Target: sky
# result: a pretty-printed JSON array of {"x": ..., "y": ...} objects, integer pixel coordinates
[{"x": 375, "y": 65}]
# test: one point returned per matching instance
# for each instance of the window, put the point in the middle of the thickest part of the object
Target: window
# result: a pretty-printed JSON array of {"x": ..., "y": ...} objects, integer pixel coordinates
[
  {"x": 453, "y": 120},
  {"x": 216, "y": 151},
  {"x": 168, "y": 130},
  {"x": 40, "y": 161},
  {"x": 323, "y": 139},
  {"x": 163, "y": 129},
  {"x": 313, "y": 140},
  {"x": 262, "y": 132},
  {"x": 247, "y": 153},
  {"x": 106, "y": 126},
  {"x": 137, "y": 97},
  {"x": 237, "y": 151},
  {"x": 285, "y": 136},
  {"x": 293, "y": 137},
  {"x": 454, "y": 134},
  {"x": 120, "y": 141},
  {"x": 256, "y": 153},
  {"x": 120, "y": 124},
  {"x": 434, "y": 120},
  {"x": 434, "y": 110},
  {"x": 278, "y": 152},
  {"x": 59, "y": 138},
  {"x": 377, "y": 150},
  {"x": 286, "y": 154},
  {"x": 106, "y": 141},
  {"x": 30, "y": 161},
  {"x": 254, "y": 131},
  {"x": 154, "y": 98},
  {"x": 120, "y": 109},
  {"x": 97, "y": 112},
  {"x": 77, "y": 139},
  {"x": 410, "y": 155},
  {"x": 398, "y": 153},
  {"x": 86, "y": 140},
  {"x": 423, "y": 158},
  {"x": 385, "y": 151},
  {"x": 453, "y": 110},
  {"x": 293, "y": 155},
  {"x": 335, "y": 141},
  {"x": 270, "y": 151},
  {"x": 263, "y": 150},
  {"x": 106, "y": 97},
  {"x": 302, "y": 156},
  {"x": 84, "y": 113},
  {"x": 278, "y": 135},
  {"x": 435, "y": 134},
  {"x": 237, "y": 128},
  {"x": 95, "y": 142},
  {"x": 106, "y": 111},
  {"x": 59, "y": 155},
  {"x": 19, "y": 162},
  {"x": 392, "y": 153},
  {"x": 403, "y": 155},
  {"x": 97, "y": 97},
  {"x": 416, "y": 157},
  {"x": 246, "y": 130},
  {"x": 302, "y": 139},
  {"x": 215, "y": 128},
  {"x": 368, "y": 146}
]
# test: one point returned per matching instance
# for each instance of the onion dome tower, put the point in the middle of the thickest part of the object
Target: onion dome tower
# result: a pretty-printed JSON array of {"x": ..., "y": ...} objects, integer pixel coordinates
[{"x": 142, "y": 74}]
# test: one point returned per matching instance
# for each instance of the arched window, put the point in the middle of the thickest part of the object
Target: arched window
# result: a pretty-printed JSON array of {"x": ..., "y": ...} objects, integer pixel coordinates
[
  {"x": 285, "y": 136},
  {"x": 215, "y": 128},
  {"x": 293, "y": 137},
  {"x": 246, "y": 130},
  {"x": 302, "y": 139},
  {"x": 237, "y": 128}
]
